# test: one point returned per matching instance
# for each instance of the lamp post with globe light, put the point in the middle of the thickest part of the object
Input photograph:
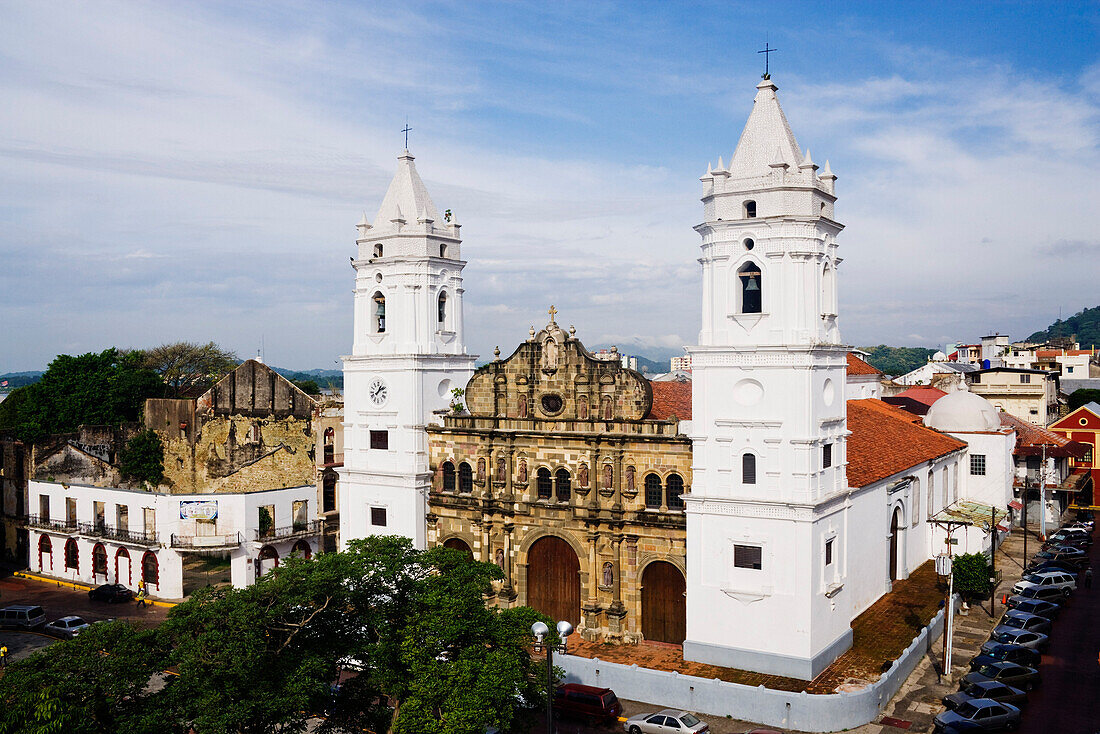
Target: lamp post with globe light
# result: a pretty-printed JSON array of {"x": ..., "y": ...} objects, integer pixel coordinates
[{"x": 540, "y": 631}]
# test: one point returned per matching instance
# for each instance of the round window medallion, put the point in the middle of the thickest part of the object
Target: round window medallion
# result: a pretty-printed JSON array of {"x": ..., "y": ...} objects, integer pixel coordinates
[
  {"x": 1084, "y": 421},
  {"x": 749, "y": 244},
  {"x": 551, "y": 403},
  {"x": 748, "y": 392},
  {"x": 378, "y": 277}
]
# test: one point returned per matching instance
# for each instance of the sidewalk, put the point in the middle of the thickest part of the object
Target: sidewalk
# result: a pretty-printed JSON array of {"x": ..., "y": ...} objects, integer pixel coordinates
[{"x": 918, "y": 700}]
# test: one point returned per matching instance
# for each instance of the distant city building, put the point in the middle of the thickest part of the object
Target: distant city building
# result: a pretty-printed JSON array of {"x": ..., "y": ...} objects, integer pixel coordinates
[
  {"x": 1030, "y": 395},
  {"x": 613, "y": 355},
  {"x": 680, "y": 364}
]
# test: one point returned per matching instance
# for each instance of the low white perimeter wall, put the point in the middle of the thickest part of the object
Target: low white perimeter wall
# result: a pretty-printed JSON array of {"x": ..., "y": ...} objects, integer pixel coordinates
[{"x": 802, "y": 711}]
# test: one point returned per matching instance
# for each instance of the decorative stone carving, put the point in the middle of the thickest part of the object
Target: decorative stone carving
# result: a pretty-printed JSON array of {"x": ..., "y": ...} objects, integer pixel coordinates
[
  {"x": 502, "y": 470},
  {"x": 523, "y": 471},
  {"x": 582, "y": 475},
  {"x": 481, "y": 470},
  {"x": 522, "y": 405},
  {"x": 608, "y": 579},
  {"x": 608, "y": 476}
]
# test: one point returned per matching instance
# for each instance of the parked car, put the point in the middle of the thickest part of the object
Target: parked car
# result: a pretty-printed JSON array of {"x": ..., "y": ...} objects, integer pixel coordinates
[
  {"x": 665, "y": 721},
  {"x": 1043, "y": 592},
  {"x": 1070, "y": 531},
  {"x": 67, "y": 627},
  {"x": 1069, "y": 540},
  {"x": 1012, "y": 674},
  {"x": 110, "y": 593},
  {"x": 1051, "y": 579},
  {"x": 988, "y": 714},
  {"x": 1073, "y": 556},
  {"x": 1047, "y": 609},
  {"x": 1016, "y": 619},
  {"x": 587, "y": 702},
  {"x": 992, "y": 690},
  {"x": 1059, "y": 566},
  {"x": 995, "y": 652},
  {"x": 1023, "y": 638},
  {"x": 25, "y": 616}
]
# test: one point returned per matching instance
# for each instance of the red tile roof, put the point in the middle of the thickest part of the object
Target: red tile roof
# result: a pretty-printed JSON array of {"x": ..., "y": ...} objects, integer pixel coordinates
[
  {"x": 1048, "y": 353},
  {"x": 924, "y": 395},
  {"x": 857, "y": 366},
  {"x": 886, "y": 440},
  {"x": 671, "y": 399},
  {"x": 1030, "y": 439}
]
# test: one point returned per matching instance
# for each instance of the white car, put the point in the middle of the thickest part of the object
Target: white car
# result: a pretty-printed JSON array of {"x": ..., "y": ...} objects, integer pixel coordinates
[
  {"x": 669, "y": 720},
  {"x": 1046, "y": 580},
  {"x": 67, "y": 627}
]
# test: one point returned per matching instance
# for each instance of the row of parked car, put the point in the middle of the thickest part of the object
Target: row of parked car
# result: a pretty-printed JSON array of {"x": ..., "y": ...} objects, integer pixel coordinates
[
  {"x": 1006, "y": 668},
  {"x": 33, "y": 617}
]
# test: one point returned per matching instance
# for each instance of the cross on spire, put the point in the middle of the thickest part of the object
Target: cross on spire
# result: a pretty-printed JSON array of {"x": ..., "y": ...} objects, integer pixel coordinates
[
  {"x": 406, "y": 130},
  {"x": 767, "y": 51},
  {"x": 552, "y": 311}
]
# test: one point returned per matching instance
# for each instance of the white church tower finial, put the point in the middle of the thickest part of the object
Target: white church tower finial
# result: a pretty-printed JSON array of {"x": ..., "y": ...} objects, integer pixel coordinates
[
  {"x": 768, "y": 410},
  {"x": 408, "y": 352}
]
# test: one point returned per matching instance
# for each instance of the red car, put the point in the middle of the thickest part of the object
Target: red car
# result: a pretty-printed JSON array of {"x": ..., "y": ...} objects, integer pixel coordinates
[{"x": 587, "y": 702}]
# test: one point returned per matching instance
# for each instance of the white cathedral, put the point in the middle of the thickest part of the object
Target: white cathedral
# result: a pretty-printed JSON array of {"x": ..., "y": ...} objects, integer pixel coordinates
[{"x": 843, "y": 487}]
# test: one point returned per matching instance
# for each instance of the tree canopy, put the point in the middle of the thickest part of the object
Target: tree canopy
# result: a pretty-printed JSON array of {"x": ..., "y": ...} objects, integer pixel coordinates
[
  {"x": 108, "y": 388},
  {"x": 897, "y": 360},
  {"x": 1077, "y": 398},
  {"x": 420, "y": 650},
  {"x": 189, "y": 366},
  {"x": 142, "y": 459},
  {"x": 1084, "y": 324}
]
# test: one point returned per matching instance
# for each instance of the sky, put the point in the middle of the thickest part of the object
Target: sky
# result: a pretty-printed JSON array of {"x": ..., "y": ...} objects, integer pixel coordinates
[{"x": 194, "y": 171}]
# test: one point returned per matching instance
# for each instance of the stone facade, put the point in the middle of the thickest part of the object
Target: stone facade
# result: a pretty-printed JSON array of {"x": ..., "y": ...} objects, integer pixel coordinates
[
  {"x": 251, "y": 430},
  {"x": 583, "y": 424}
]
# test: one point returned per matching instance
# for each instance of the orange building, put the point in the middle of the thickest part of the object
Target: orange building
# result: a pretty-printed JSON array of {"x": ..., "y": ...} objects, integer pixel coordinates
[{"x": 1083, "y": 425}]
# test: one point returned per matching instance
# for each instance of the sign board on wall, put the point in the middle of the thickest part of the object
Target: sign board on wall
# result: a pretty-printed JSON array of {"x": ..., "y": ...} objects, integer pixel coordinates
[{"x": 198, "y": 509}]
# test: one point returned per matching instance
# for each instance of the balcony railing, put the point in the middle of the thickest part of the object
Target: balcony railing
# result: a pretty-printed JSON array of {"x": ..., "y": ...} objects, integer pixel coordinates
[
  {"x": 120, "y": 535},
  {"x": 206, "y": 542},
  {"x": 45, "y": 523},
  {"x": 297, "y": 530}
]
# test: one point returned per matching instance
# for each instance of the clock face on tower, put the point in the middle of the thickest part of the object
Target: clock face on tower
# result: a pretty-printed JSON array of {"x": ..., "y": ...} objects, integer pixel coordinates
[{"x": 378, "y": 391}]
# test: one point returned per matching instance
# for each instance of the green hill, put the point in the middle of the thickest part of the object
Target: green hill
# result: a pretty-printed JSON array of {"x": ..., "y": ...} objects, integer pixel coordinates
[
  {"x": 897, "y": 360},
  {"x": 1085, "y": 324}
]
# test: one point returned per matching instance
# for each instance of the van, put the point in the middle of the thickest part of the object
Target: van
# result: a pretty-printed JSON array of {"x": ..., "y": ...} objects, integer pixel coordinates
[
  {"x": 587, "y": 702},
  {"x": 22, "y": 615}
]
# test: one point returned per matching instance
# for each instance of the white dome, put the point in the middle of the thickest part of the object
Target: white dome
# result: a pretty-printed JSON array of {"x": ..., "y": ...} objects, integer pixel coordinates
[
  {"x": 939, "y": 357},
  {"x": 962, "y": 411}
]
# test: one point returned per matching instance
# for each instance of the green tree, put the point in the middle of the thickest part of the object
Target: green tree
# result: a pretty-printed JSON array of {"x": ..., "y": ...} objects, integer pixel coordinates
[
  {"x": 1084, "y": 324},
  {"x": 309, "y": 387},
  {"x": 1076, "y": 399},
  {"x": 97, "y": 682},
  {"x": 971, "y": 571},
  {"x": 142, "y": 459},
  {"x": 108, "y": 388},
  {"x": 897, "y": 360},
  {"x": 190, "y": 366}
]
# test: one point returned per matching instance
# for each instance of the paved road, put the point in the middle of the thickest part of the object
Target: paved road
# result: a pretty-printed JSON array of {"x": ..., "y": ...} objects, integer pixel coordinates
[
  {"x": 1066, "y": 700},
  {"x": 59, "y": 601}
]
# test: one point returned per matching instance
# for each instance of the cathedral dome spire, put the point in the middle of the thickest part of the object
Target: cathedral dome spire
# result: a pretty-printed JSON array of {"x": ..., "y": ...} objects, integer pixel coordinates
[
  {"x": 767, "y": 139},
  {"x": 406, "y": 195}
]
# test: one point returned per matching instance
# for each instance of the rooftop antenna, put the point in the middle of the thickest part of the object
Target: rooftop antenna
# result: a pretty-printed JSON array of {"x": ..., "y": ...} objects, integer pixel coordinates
[
  {"x": 406, "y": 130},
  {"x": 767, "y": 51}
]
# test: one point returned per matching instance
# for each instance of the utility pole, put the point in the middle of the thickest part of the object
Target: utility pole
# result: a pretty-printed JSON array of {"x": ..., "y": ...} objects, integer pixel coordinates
[
  {"x": 992, "y": 557},
  {"x": 1023, "y": 519},
  {"x": 1043, "y": 496}
]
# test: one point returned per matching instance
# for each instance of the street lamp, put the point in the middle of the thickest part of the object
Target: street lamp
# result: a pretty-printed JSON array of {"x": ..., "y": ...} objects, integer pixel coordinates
[{"x": 540, "y": 631}]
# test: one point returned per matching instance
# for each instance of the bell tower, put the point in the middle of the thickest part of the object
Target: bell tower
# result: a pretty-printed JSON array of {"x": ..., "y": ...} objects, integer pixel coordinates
[
  {"x": 408, "y": 353},
  {"x": 768, "y": 410}
]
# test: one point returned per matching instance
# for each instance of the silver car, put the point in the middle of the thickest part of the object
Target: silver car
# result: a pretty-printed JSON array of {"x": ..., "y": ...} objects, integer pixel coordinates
[
  {"x": 67, "y": 627},
  {"x": 1023, "y": 638},
  {"x": 665, "y": 722}
]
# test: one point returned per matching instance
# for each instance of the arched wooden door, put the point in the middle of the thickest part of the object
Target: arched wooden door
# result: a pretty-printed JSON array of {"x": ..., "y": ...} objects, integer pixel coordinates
[
  {"x": 664, "y": 610},
  {"x": 460, "y": 545},
  {"x": 895, "y": 531},
  {"x": 554, "y": 580}
]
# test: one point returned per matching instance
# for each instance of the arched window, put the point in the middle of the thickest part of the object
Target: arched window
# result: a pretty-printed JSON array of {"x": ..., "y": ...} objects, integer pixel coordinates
[
  {"x": 443, "y": 251},
  {"x": 748, "y": 468},
  {"x": 828, "y": 290},
  {"x": 302, "y": 550},
  {"x": 674, "y": 485},
  {"x": 653, "y": 491},
  {"x": 561, "y": 485},
  {"x": 378, "y": 250},
  {"x": 750, "y": 209},
  {"x": 72, "y": 554},
  {"x": 150, "y": 569},
  {"x": 45, "y": 550},
  {"x": 99, "y": 560},
  {"x": 465, "y": 478},
  {"x": 914, "y": 492},
  {"x": 442, "y": 309},
  {"x": 378, "y": 314},
  {"x": 448, "y": 476},
  {"x": 330, "y": 446},
  {"x": 545, "y": 487},
  {"x": 751, "y": 283},
  {"x": 328, "y": 492}
]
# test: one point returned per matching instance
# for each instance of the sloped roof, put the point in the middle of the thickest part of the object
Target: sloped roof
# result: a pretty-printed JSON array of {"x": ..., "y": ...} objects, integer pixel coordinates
[
  {"x": 857, "y": 366},
  {"x": 670, "y": 399},
  {"x": 1030, "y": 439},
  {"x": 766, "y": 139},
  {"x": 925, "y": 395},
  {"x": 885, "y": 441},
  {"x": 407, "y": 198}
]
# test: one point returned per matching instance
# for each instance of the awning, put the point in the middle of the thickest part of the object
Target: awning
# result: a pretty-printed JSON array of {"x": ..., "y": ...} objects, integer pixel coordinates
[
  {"x": 1015, "y": 505},
  {"x": 971, "y": 513}
]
